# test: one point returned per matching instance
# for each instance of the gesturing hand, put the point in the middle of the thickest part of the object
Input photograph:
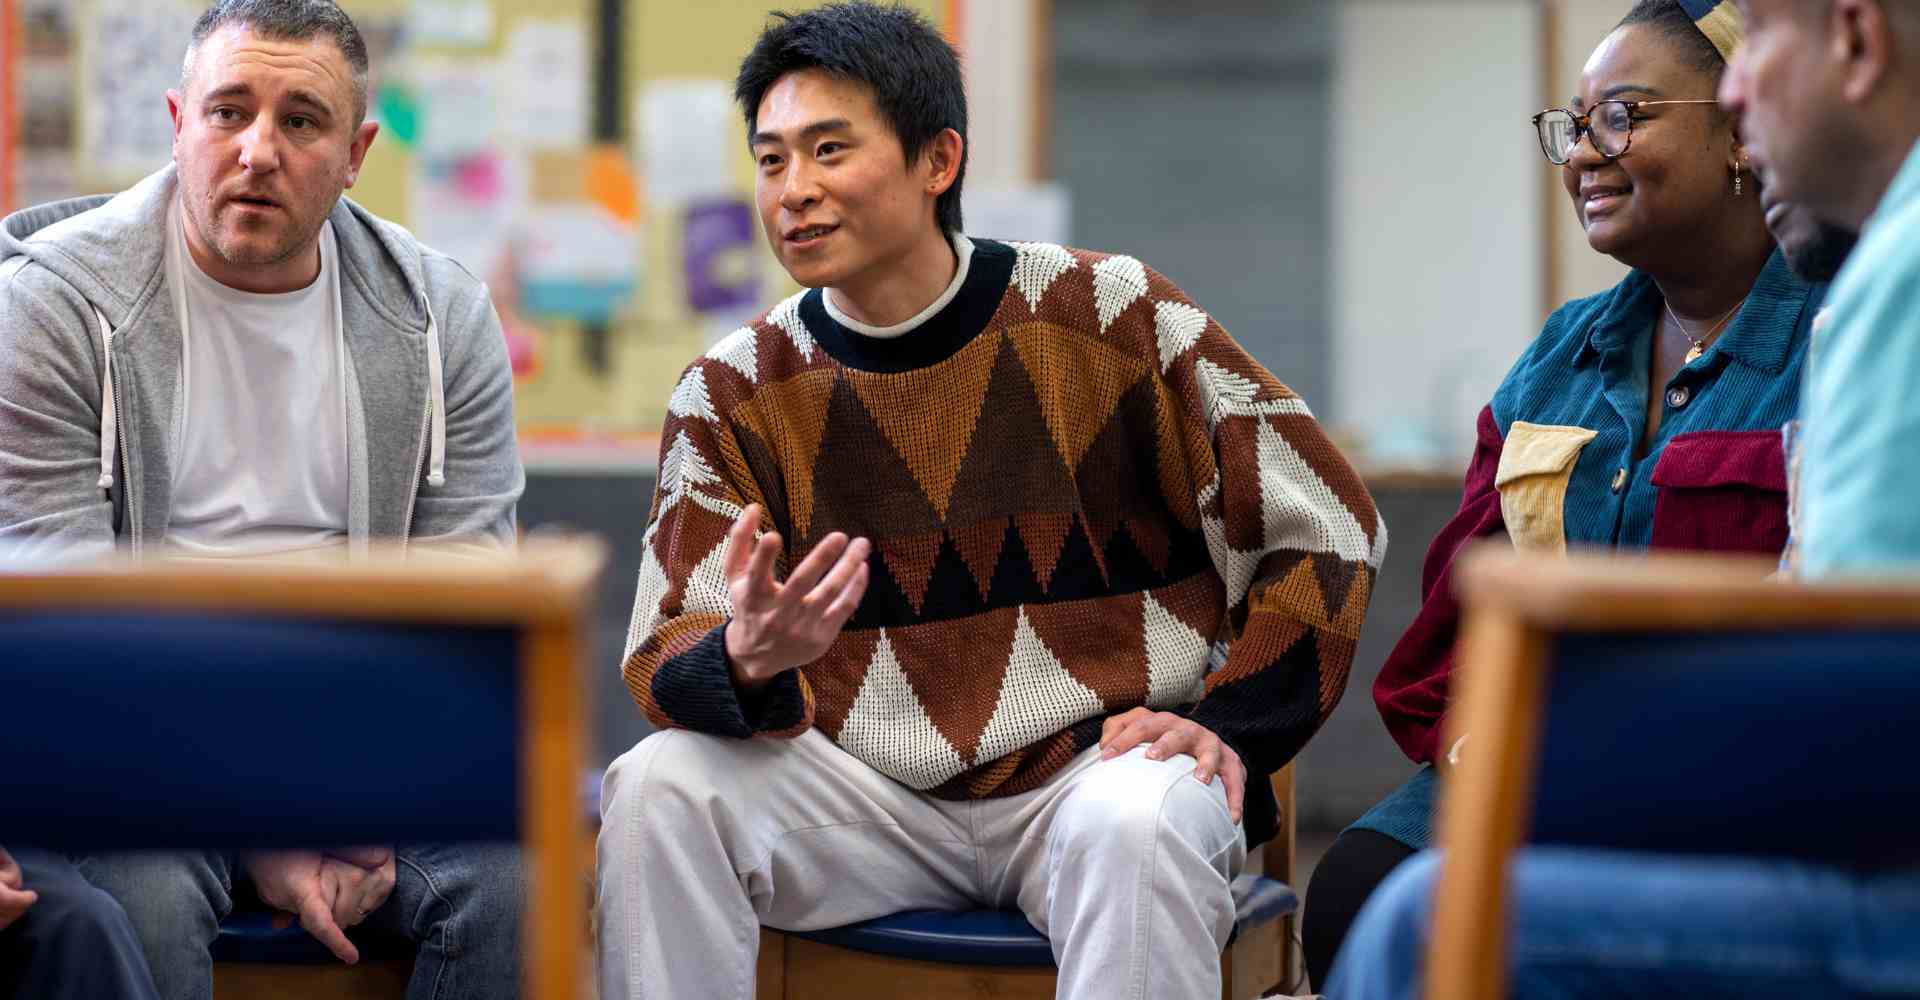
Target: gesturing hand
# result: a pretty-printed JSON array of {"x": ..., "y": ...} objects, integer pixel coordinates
[
  {"x": 15, "y": 897},
  {"x": 1171, "y": 734},
  {"x": 778, "y": 626}
]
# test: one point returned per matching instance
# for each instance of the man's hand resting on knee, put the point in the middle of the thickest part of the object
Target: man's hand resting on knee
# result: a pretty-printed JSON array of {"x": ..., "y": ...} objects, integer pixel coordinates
[
  {"x": 1171, "y": 734},
  {"x": 778, "y": 626},
  {"x": 327, "y": 892},
  {"x": 15, "y": 897}
]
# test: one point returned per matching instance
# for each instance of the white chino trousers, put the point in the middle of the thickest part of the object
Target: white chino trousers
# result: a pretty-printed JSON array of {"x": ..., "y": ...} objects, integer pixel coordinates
[{"x": 1124, "y": 864}]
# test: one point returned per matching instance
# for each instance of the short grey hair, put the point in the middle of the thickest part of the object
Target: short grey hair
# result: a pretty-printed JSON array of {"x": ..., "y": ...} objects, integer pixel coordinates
[{"x": 288, "y": 21}]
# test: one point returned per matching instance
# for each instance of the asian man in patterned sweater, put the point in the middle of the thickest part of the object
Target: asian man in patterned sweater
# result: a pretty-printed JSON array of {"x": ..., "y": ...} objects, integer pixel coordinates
[{"x": 978, "y": 574}]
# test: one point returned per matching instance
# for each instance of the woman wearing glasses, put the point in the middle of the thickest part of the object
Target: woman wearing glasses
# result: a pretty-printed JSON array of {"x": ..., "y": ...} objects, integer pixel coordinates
[{"x": 1648, "y": 415}]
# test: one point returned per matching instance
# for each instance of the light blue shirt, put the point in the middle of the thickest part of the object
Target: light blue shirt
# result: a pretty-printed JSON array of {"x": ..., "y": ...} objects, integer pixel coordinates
[{"x": 1860, "y": 465}]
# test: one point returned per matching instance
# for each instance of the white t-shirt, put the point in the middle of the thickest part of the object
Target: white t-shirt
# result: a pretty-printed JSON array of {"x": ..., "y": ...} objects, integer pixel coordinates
[{"x": 260, "y": 428}]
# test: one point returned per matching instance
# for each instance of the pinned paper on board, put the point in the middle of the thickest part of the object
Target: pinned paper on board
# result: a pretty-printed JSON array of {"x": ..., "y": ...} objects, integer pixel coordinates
[
  {"x": 545, "y": 83},
  {"x": 125, "y": 130},
  {"x": 689, "y": 136},
  {"x": 451, "y": 23},
  {"x": 610, "y": 183},
  {"x": 458, "y": 106},
  {"x": 397, "y": 109}
]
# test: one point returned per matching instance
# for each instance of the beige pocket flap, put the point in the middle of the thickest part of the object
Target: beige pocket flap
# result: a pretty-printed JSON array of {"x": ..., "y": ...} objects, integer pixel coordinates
[
  {"x": 1539, "y": 449},
  {"x": 1535, "y": 465}
]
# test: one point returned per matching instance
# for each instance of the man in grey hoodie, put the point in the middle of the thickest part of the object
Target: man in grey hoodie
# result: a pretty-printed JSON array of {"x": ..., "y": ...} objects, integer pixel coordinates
[{"x": 230, "y": 360}]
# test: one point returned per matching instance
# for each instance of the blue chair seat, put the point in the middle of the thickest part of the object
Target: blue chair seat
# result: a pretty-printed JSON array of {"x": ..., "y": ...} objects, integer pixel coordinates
[
  {"x": 249, "y": 936},
  {"x": 1004, "y": 937}
]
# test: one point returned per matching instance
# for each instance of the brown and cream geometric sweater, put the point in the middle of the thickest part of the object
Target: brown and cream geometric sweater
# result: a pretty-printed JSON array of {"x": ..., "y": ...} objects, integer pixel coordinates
[{"x": 1083, "y": 497}]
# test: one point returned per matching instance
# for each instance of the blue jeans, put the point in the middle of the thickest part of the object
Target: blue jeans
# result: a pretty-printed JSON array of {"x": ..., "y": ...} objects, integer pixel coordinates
[
  {"x": 74, "y": 943},
  {"x": 460, "y": 903},
  {"x": 1609, "y": 924}
]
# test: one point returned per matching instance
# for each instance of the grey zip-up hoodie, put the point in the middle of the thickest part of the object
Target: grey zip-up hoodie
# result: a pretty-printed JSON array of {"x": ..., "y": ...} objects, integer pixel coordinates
[{"x": 90, "y": 363}]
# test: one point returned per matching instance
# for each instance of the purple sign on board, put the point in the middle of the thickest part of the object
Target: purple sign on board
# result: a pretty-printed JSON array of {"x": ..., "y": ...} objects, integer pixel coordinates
[{"x": 718, "y": 247}]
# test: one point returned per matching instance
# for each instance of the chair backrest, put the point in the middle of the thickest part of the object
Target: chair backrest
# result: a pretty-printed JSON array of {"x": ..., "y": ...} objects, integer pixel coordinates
[
  {"x": 1742, "y": 742},
  {"x": 217, "y": 730},
  {"x": 168, "y": 704},
  {"x": 1671, "y": 703}
]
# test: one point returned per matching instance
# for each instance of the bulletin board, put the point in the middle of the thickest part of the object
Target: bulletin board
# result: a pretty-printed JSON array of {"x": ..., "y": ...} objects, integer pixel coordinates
[{"x": 615, "y": 255}]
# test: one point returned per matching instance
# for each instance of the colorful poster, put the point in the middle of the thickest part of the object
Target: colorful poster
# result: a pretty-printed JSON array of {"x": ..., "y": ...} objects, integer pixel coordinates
[
  {"x": 468, "y": 206},
  {"x": 577, "y": 260},
  {"x": 718, "y": 251}
]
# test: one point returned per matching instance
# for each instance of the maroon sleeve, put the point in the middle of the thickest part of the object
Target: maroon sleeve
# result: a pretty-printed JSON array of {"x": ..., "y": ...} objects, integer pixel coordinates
[{"x": 1411, "y": 691}]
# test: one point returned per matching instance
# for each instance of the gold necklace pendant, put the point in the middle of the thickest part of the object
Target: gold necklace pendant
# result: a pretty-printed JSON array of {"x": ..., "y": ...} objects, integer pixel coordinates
[{"x": 1700, "y": 343}]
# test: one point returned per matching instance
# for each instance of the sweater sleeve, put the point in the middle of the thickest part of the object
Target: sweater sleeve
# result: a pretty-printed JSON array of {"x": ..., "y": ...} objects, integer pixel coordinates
[
  {"x": 675, "y": 662},
  {"x": 1291, "y": 530},
  {"x": 1413, "y": 687}
]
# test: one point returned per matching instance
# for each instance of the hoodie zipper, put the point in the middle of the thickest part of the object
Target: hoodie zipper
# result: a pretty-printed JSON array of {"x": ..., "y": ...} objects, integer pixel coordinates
[
  {"x": 419, "y": 472},
  {"x": 120, "y": 448}
]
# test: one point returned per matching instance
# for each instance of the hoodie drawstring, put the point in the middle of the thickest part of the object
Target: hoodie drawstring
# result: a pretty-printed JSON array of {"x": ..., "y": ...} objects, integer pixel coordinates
[
  {"x": 437, "y": 442},
  {"x": 437, "y": 415},
  {"x": 109, "y": 414}
]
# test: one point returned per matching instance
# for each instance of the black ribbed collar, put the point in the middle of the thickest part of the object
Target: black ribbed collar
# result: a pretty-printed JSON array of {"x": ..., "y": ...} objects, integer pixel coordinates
[{"x": 939, "y": 338}]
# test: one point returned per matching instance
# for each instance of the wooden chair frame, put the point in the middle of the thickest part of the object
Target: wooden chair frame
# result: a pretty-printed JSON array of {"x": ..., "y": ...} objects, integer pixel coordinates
[
  {"x": 1513, "y": 605},
  {"x": 545, "y": 591},
  {"x": 1259, "y": 960}
]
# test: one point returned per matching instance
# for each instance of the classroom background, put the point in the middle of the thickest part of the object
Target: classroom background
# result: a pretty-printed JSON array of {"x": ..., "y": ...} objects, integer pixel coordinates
[{"x": 1352, "y": 188}]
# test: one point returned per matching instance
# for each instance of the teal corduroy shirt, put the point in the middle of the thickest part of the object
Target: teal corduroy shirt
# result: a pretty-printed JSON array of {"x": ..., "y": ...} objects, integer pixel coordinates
[
  {"x": 1713, "y": 478},
  {"x": 1588, "y": 368}
]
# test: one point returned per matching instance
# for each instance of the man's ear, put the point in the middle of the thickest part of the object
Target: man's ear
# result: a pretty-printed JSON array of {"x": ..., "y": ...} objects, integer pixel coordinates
[
  {"x": 943, "y": 157},
  {"x": 176, "y": 106},
  {"x": 362, "y": 141},
  {"x": 1861, "y": 39}
]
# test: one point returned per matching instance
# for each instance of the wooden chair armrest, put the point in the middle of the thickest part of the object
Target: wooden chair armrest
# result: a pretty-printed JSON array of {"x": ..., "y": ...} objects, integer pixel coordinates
[
  {"x": 1680, "y": 591},
  {"x": 546, "y": 582}
]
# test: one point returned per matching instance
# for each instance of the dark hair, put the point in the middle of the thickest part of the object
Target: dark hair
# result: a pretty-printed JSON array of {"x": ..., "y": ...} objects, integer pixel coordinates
[
  {"x": 289, "y": 20},
  {"x": 1672, "y": 20},
  {"x": 913, "y": 73}
]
